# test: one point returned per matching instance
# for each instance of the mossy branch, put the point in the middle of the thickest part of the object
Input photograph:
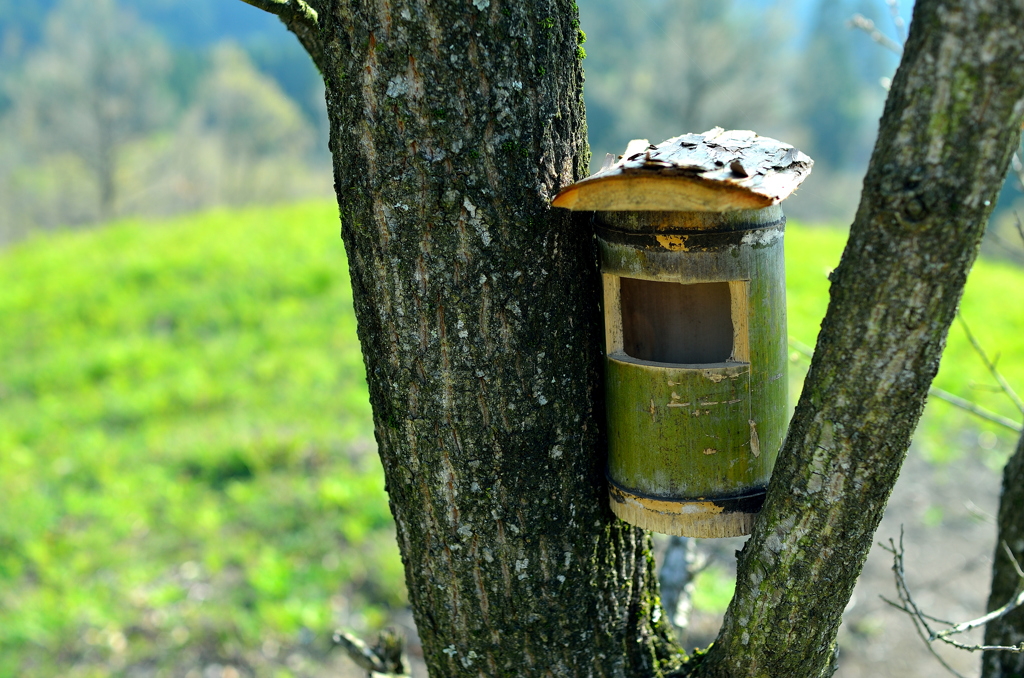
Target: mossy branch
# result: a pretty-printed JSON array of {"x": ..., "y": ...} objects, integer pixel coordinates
[{"x": 300, "y": 18}]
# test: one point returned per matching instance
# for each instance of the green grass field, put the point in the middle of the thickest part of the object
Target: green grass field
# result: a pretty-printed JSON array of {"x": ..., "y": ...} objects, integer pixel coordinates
[{"x": 187, "y": 467}]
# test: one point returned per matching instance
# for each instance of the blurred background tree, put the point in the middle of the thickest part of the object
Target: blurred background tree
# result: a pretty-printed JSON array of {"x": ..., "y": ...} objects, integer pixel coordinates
[
  {"x": 103, "y": 114},
  {"x": 91, "y": 85},
  {"x": 671, "y": 67},
  {"x": 156, "y": 132}
]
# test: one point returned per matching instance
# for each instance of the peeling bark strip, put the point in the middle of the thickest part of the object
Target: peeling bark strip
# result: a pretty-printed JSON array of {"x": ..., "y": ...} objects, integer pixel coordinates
[
  {"x": 1008, "y": 630},
  {"x": 951, "y": 122},
  {"x": 453, "y": 123}
]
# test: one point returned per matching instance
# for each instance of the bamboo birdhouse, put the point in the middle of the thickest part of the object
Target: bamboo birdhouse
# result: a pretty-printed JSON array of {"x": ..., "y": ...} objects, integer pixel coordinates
[{"x": 690, "y": 239}]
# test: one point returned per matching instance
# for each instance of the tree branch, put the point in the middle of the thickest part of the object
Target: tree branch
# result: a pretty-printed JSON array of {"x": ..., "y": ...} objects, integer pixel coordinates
[
  {"x": 865, "y": 24},
  {"x": 974, "y": 409},
  {"x": 1014, "y": 251},
  {"x": 1003, "y": 384},
  {"x": 384, "y": 660},
  {"x": 301, "y": 18},
  {"x": 921, "y": 619},
  {"x": 951, "y": 123},
  {"x": 897, "y": 21},
  {"x": 937, "y": 392}
]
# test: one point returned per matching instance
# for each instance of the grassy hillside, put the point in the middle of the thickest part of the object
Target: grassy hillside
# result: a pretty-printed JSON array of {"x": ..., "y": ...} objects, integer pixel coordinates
[
  {"x": 187, "y": 463},
  {"x": 187, "y": 467}
]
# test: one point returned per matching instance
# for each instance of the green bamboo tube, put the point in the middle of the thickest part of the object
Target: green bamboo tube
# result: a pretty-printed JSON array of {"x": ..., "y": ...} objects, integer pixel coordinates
[{"x": 691, "y": 446}]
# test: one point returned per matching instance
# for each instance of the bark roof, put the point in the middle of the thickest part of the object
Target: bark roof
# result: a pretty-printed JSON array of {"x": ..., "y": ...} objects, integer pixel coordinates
[{"x": 716, "y": 171}]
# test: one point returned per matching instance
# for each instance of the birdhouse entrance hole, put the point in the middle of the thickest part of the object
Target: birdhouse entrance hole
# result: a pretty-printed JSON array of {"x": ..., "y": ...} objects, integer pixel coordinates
[
  {"x": 675, "y": 323},
  {"x": 669, "y": 322}
]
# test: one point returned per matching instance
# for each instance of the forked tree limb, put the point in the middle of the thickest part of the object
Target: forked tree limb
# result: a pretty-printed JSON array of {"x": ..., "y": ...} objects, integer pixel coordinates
[
  {"x": 453, "y": 124},
  {"x": 991, "y": 366}
]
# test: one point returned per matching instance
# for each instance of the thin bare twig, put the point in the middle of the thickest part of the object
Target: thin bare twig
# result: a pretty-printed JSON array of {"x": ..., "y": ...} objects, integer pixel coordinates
[
  {"x": 801, "y": 348},
  {"x": 937, "y": 392},
  {"x": 861, "y": 22},
  {"x": 897, "y": 20},
  {"x": 962, "y": 627},
  {"x": 899, "y": 606},
  {"x": 979, "y": 513},
  {"x": 1013, "y": 560},
  {"x": 908, "y": 606},
  {"x": 921, "y": 619},
  {"x": 1010, "y": 393},
  {"x": 1012, "y": 604},
  {"x": 1015, "y": 252},
  {"x": 974, "y": 409}
]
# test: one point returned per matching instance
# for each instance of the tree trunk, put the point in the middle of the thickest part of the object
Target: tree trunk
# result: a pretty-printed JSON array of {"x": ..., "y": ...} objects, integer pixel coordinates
[
  {"x": 951, "y": 123},
  {"x": 453, "y": 124},
  {"x": 1008, "y": 630}
]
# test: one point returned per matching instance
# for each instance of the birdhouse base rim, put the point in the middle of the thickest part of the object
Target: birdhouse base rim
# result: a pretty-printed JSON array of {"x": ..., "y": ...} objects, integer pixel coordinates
[{"x": 701, "y": 517}]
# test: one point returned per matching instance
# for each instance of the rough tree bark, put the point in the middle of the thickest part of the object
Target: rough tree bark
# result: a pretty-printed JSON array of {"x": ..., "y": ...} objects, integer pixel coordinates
[
  {"x": 452, "y": 125},
  {"x": 1008, "y": 630}
]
